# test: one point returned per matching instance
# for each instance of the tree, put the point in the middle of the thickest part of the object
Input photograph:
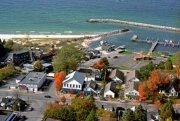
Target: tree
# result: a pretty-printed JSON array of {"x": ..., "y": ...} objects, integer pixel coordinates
[
  {"x": 168, "y": 64},
  {"x": 82, "y": 106},
  {"x": 146, "y": 70},
  {"x": 8, "y": 45},
  {"x": 2, "y": 50},
  {"x": 63, "y": 99},
  {"x": 67, "y": 59},
  {"x": 92, "y": 116},
  {"x": 101, "y": 63},
  {"x": 142, "y": 92},
  {"x": 167, "y": 111},
  {"x": 7, "y": 72},
  {"x": 38, "y": 66},
  {"x": 58, "y": 78},
  {"x": 140, "y": 114},
  {"x": 128, "y": 115},
  {"x": 177, "y": 63}
]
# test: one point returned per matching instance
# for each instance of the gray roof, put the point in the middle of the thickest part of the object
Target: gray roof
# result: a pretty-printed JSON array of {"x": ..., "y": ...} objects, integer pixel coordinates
[
  {"x": 116, "y": 73},
  {"x": 132, "y": 75},
  {"x": 131, "y": 85},
  {"x": 20, "y": 77},
  {"x": 109, "y": 87},
  {"x": 79, "y": 77},
  {"x": 33, "y": 78}
]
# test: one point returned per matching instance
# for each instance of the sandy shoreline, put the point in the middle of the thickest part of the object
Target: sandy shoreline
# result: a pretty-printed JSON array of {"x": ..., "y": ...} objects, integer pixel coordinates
[
  {"x": 22, "y": 36},
  {"x": 86, "y": 42}
]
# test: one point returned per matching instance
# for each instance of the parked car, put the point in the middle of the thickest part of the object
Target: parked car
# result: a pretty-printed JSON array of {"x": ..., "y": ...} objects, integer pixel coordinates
[
  {"x": 30, "y": 109},
  {"x": 47, "y": 96}
]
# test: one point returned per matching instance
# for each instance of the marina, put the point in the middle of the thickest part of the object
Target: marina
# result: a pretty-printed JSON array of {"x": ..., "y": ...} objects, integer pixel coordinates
[{"x": 169, "y": 43}]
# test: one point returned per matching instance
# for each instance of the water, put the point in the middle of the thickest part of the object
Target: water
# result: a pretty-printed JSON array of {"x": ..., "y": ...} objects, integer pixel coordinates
[{"x": 58, "y": 16}]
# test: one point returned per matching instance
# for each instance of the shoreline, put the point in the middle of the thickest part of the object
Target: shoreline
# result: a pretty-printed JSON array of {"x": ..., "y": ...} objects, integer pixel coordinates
[
  {"x": 134, "y": 24},
  {"x": 34, "y": 36}
]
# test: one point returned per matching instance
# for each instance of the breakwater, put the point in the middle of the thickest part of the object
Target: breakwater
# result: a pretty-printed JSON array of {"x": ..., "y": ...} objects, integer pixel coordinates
[{"x": 134, "y": 24}]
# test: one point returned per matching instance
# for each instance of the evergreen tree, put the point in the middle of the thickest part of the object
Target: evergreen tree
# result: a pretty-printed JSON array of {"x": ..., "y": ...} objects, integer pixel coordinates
[
  {"x": 128, "y": 116},
  {"x": 92, "y": 116},
  {"x": 167, "y": 111},
  {"x": 140, "y": 114}
]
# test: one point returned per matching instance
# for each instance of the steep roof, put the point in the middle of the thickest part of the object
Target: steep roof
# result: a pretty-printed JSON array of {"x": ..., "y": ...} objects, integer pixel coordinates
[
  {"x": 116, "y": 73},
  {"x": 175, "y": 84},
  {"x": 132, "y": 74},
  {"x": 109, "y": 87},
  {"x": 79, "y": 77}
]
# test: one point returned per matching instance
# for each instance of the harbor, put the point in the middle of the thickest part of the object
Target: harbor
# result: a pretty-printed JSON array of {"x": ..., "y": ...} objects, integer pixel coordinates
[{"x": 134, "y": 24}]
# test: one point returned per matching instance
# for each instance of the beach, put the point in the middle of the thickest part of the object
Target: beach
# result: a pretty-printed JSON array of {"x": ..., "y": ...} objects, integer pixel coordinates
[{"x": 23, "y": 36}]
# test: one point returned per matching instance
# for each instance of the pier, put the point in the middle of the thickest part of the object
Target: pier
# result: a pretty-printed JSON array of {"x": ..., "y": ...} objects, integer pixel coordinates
[
  {"x": 152, "y": 48},
  {"x": 134, "y": 24},
  {"x": 111, "y": 33}
]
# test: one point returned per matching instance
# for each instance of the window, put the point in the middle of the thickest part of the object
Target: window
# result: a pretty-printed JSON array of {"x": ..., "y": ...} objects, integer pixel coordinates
[
  {"x": 67, "y": 85},
  {"x": 76, "y": 86},
  {"x": 70, "y": 85},
  {"x": 64, "y": 85},
  {"x": 73, "y": 85},
  {"x": 79, "y": 86}
]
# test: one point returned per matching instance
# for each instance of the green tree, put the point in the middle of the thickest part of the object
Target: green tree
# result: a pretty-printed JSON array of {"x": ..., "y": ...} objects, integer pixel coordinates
[
  {"x": 92, "y": 116},
  {"x": 167, "y": 111},
  {"x": 38, "y": 66},
  {"x": 7, "y": 72},
  {"x": 128, "y": 115},
  {"x": 2, "y": 50},
  {"x": 145, "y": 70},
  {"x": 9, "y": 45},
  {"x": 168, "y": 64},
  {"x": 67, "y": 59},
  {"x": 140, "y": 114}
]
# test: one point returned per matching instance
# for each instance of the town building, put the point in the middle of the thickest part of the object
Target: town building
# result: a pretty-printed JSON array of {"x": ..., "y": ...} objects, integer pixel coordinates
[
  {"x": 74, "y": 82},
  {"x": 32, "y": 81},
  {"x": 18, "y": 58},
  {"x": 133, "y": 75}
]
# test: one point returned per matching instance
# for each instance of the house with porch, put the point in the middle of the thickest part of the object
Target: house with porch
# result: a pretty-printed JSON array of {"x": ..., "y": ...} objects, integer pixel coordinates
[
  {"x": 74, "y": 82},
  {"x": 131, "y": 90}
]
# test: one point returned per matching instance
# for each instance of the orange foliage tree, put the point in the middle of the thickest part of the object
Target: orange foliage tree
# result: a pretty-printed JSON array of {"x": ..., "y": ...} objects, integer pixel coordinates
[
  {"x": 63, "y": 99},
  {"x": 142, "y": 92},
  {"x": 58, "y": 78},
  {"x": 99, "y": 64}
]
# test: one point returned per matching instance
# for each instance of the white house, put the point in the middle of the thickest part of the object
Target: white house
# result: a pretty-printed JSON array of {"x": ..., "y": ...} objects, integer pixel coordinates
[
  {"x": 109, "y": 90},
  {"x": 73, "y": 82},
  {"x": 131, "y": 90}
]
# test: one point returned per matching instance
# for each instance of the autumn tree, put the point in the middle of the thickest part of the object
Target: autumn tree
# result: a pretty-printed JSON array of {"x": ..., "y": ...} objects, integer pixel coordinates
[
  {"x": 142, "y": 92},
  {"x": 58, "y": 78},
  {"x": 63, "y": 99},
  {"x": 67, "y": 59}
]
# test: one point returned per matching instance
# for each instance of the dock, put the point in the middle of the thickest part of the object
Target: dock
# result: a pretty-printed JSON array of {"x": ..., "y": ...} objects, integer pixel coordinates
[{"x": 134, "y": 24}]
